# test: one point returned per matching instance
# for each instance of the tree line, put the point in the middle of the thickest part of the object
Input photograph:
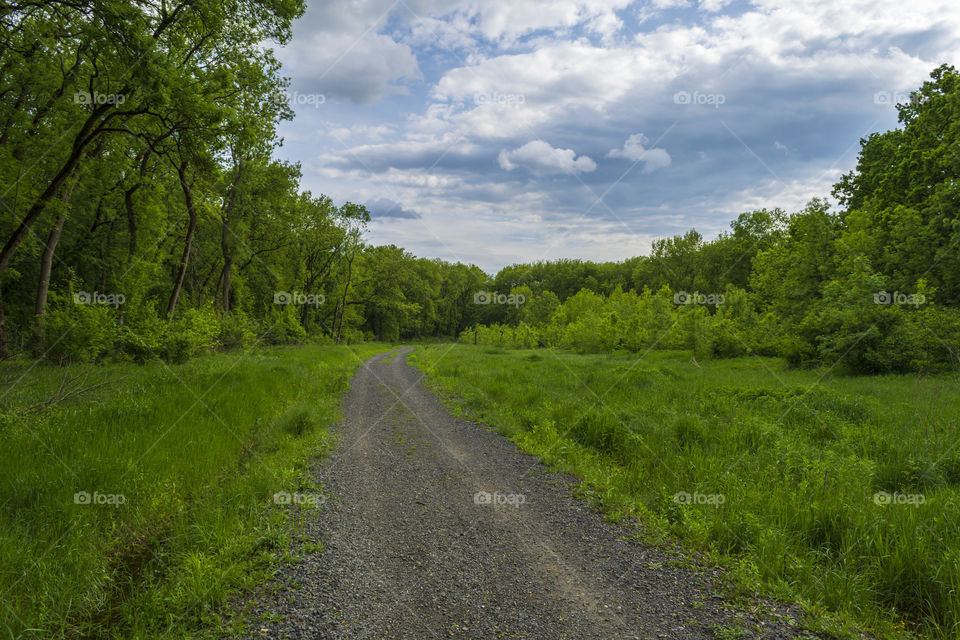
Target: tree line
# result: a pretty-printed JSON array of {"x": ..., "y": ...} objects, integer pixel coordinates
[{"x": 143, "y": 214}]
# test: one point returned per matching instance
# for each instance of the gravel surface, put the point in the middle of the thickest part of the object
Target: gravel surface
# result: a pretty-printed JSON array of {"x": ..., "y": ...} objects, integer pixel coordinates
[{"x": 435, "y": 527}]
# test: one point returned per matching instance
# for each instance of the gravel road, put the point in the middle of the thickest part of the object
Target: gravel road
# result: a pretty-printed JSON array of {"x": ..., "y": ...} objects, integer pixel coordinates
[{"x": 436, "y": 527}]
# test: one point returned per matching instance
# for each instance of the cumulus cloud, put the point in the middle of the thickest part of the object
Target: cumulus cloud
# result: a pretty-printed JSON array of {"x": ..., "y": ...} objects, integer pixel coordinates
[
  {"x": 341, "y": 52},
  {"x": 539, "y": 157},
  {"x": 507, "y": 21},
  {"x": 799, "y": 82},
  {"x": 713, "y": 5},
  {"x": 635, "y": 149},
  {"x": 362, "y": 70},
  {"x": 386, "y": 208}
]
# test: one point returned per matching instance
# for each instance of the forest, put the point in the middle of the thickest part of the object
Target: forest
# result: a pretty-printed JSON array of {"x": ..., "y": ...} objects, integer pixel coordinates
[{"x": 145, "y": 216}]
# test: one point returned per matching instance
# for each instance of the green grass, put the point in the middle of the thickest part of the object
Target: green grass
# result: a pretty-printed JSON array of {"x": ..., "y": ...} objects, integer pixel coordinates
[
  {"x": 185, "y": 461},
  {"x": 783, "y": 468}
]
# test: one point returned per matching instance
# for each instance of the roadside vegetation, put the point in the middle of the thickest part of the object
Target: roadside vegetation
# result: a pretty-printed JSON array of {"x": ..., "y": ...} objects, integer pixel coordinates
[
  {"x": 836, "y": 491},
  {"x": 136, "y": 508}
]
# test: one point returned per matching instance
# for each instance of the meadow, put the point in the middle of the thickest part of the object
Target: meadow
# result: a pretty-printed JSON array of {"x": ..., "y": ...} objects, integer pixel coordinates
[
  {"x": 136, "y": 508},
  {"x": 838, "y": 492}
]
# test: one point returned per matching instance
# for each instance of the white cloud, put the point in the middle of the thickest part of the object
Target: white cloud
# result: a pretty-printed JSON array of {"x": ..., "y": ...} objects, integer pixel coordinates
[
  {"x": 373, "y": 133},
  {"x": 634, "y": 149},
  {"x": 713, "y": 5},
  {"x": 506, "y": 21},
  {"x": 361, "y": 69},
  {"x": 539, "y": 157}
]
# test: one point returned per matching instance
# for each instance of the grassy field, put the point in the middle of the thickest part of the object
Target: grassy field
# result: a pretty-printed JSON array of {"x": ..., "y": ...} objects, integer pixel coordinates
[
  {"x": 136, "y": 509},
  {"x": 838, "y": 492}
]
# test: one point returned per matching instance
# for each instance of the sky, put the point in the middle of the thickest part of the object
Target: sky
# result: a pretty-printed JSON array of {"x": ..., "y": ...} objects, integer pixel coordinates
[{"x": 494, "y": 132}]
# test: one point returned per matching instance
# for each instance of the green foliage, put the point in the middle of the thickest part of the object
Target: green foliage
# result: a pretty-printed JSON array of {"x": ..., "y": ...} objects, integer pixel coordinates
[
  {"x": 849, "y": 328},
  {"x": 196, "y": 331},
  {"x": 237, "y": 331},
  {"x": 75, "y": 332},
  {"x": 284, "y": 327},
  {"x": 143, "y": 332},
  {"x": 902, "y": 197}
]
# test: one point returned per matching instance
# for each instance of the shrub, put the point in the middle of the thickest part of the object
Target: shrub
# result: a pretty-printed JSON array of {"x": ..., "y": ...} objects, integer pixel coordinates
[
  {"x": 143, "y": 333},
  {"x": 72, "y": 332},
  {"x": 237, "y": 330},
  {"x": 283, "y": 326},
  {"x": 194, "y": 332}
]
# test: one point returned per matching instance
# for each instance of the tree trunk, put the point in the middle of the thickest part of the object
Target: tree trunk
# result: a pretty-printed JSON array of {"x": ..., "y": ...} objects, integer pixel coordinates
[
  {"x": 46, "y": 260},
  {"x": 225, "y": 245},
  {"x": 343, "y": 302},
  {"x": 46, "y": 264},
  {"x": 187, "y": 244},
  {"x": 143, "y": 160}
]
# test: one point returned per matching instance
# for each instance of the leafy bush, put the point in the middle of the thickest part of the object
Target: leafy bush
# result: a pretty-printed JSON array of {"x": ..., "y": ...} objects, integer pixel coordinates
[
  {"x": 143, "y": 332},
  {"x": 938, "y": 332},
  {"x": 194, "y": 332},
  {"x": 237, "y": 330},
  {"x": 851, "y": 327},
  {"x": 283, "y": 327},
  {"x": 75, "y": 332}
]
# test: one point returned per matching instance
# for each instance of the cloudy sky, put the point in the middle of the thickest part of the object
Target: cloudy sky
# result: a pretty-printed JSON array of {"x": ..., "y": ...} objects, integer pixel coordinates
[{"x": 501, "y": 131}]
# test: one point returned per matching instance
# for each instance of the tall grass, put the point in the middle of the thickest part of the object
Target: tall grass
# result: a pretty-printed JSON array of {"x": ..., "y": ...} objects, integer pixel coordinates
[
  {"x": 180, "y": 464},
  {"x": 840, "y": 492}
]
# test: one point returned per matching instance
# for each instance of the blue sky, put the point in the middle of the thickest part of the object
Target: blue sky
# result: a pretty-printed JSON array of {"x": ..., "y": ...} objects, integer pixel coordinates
[{"x": 498, "y": 132}]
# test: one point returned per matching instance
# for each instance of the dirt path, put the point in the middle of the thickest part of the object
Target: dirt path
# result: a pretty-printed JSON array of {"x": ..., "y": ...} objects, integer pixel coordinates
[{"x": 412, "y": 549}]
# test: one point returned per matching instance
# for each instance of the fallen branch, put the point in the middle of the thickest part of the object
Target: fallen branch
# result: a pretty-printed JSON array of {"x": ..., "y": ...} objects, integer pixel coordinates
[{"x": 70, "y": 387}]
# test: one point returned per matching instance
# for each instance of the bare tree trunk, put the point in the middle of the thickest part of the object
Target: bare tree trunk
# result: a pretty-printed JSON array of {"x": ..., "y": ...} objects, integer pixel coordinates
[
  {"x": 187, "y": 244},
  {"x": 46, "y": 265},
  {"x": 46, "y": 260},
  {"x": 143, "y": 160},
  {"x": 225, "y": 244},
  {"x": 343, "y": 301}
]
